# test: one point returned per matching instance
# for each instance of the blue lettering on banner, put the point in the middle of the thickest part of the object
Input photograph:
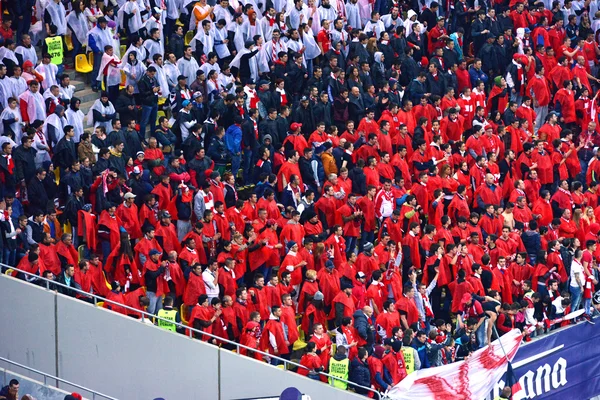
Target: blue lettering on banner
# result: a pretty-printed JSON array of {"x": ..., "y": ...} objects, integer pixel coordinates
[{"x": 562, "y": 365}]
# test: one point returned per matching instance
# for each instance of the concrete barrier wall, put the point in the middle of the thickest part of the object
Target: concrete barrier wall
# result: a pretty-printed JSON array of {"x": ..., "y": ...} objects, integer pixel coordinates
[
  {"x": 28, "y": 326},
  {"x": 124, "y": 358},
  {"x": 37, "y": 389}
]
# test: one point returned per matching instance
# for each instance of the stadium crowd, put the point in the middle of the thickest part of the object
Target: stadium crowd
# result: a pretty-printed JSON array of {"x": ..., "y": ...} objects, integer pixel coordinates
[{"x": 367, "y": 187}]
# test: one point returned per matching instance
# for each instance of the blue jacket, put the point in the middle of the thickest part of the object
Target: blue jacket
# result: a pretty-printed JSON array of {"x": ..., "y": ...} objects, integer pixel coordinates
[
  {"x": 532, "y": 242},
  {"x": 477, "y": 76},
  {"x": 359, "y": 374},
  {"x": 365, "y": 329},
  {"x": 233, "y": 139}
]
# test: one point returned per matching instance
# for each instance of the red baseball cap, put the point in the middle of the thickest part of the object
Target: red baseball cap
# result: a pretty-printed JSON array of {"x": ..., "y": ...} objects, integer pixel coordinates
[{"x": 295, "y": 126}]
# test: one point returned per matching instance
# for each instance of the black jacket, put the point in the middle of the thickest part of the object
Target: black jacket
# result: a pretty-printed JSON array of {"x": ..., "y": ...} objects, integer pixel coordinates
[
  {"x": 122, "y": 107},
  {"x": 24, "y": 163},
  {"x": 322, "y": 113},
  {"x": 63, "y": 290},
  {"x": 248, "y": 135},
  {"x": 38, "y": 198},
  {"x": 218, "y": 151},
  {"x": 305, "y": 117},
  {"x": 360, "y": 374},
  {"x": 147, "y": 95}
]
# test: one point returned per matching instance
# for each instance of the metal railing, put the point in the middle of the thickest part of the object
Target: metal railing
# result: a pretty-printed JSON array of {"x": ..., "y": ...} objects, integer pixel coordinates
[
  {"x": 95, "y": 394},
  {"x": 190, "y": 331}
]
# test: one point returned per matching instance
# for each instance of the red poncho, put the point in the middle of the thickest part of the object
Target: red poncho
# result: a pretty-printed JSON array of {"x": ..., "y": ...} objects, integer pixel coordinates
[
  {"x": 113, "y": 225},
  {"x": 168, "y": 236},
  {"x": 129, "y": 217},
  {"x": 68, "y": 253},
  {"x": 86, "y": 227},
  {"x": 195, "y": 287},
  {"x": 50, "y": 260}
]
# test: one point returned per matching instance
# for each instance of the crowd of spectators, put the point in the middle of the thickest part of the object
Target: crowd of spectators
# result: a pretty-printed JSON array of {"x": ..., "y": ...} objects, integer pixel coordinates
[{"x": 368, "y": 188}]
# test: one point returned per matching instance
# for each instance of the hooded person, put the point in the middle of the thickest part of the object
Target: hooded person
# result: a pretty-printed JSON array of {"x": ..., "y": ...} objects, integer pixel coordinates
[
  {"x": 409, "y": 21},
  {"x": 105, "y": 109},
  {"x": 498, "y": 98},
  {"x": 75, "y": 118},
  {"x": 54, "y": 125},
  {"x": 13, "y": 128},
  {"x": 134, "y": 70}
]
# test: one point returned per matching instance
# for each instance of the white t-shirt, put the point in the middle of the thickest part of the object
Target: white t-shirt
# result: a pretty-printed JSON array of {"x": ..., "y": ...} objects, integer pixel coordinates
[{"x": 576, "y": 267}]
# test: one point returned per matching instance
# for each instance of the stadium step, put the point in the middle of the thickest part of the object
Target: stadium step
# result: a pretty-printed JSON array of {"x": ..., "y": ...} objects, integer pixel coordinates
[
  {"x": 79, "y": 85},
  {"x": 85, "y": 107},
  {"x": 87, "y": 95}
]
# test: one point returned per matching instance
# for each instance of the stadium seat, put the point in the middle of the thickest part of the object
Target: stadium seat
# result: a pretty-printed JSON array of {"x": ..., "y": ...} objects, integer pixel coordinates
[
  {"x": 91, "y": 58},
  {"x": 123, "y": 80},
  {"x": 188, "y": 38},
  {"x": 81, "y": 252},
  {"x": 100, "y": 304},
  {"x": 9, "y": 272},
  {"x": 123, "y": 49},
  {"x": 184, "y": 317},
  {"x": 82, "y": 65},
  {"x": 69, "y": 42}
]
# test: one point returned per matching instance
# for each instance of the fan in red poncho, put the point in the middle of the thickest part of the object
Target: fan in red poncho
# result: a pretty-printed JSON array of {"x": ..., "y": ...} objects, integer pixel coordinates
[
  {"x": 129, "y": 215},
  {"x": 273, "y": 338},
  {"x": 153, "y": 278},
  {"x": 166, "y": 235},
  {"x": 66, "y": 251},
  {"x": 498, "y": 97},
  {"x": 202, "y": 317},
  {"x": 148, "y": 211},
  {"x": 48, "y": 256},
  {"x": 109, "y": 229},
  {"x": 147, "y": 243},
  {"x": 195, "y": 286},
  {"x": 99, "y": 283},
  {"x": 251, "y": 338},
  {"x": 329, "y": 282},
  {"x": 343, "y": 304},
  {"x": 406, "y": 305},
  {"x": 86, "y": 227}
]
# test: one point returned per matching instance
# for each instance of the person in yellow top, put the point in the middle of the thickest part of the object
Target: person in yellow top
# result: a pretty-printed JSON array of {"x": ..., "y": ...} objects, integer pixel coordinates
[{"x": 200, "y": 12}]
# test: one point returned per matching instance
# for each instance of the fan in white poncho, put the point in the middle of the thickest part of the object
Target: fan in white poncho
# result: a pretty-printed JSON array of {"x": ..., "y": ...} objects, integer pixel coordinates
[
  {"x": 138, "y": 46},
  {"x": 204, "y": 36},
  {"x": 411, "y": 18},
  {"x": 26, "y": 51},
  {"x": 109, "y": 69},
  {"x": 353, "y": 14},
  {"x": 252, "y": 62},
  {"x": 48, "y": 71},
  {"x": 58, "y": 16},
  {"x": 34, "y": 103},
  {"x": 75, "y": 118},
  {"x": 188, "y": 65},
  {"x": 134, "y": 71},
  {"x": 161, "y": 77},
  {"x": 77, "y": 22},
  {"x": 312, "y": 50},
  {"x": 130, "y": 17},
  {"x": 12, "y": 114},
  {"x": 5, "y": 89},
  {"x": 18, "y": 85},
  {"x": 7, "y": 53},
  {"x": 52, "y": 94},
  {"x": 54, "y": 126},
  {"x": 104, "y": 108},
  {"x": 220, "y": 44}
]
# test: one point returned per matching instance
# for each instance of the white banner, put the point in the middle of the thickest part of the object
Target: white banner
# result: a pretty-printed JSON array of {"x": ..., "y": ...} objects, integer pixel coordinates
[{"x": 473, "y": 378}]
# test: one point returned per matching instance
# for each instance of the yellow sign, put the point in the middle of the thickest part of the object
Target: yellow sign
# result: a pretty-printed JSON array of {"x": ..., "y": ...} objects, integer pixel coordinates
[{"x": 55, "y": 49}]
